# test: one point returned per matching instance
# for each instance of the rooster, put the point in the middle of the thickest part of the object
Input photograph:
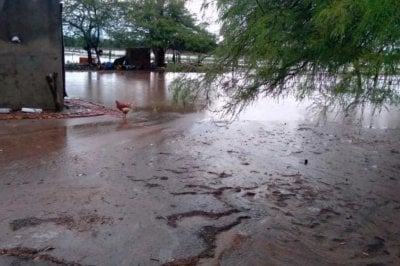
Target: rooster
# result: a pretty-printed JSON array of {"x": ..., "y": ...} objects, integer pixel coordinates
[{"x": 124, "y": 107}]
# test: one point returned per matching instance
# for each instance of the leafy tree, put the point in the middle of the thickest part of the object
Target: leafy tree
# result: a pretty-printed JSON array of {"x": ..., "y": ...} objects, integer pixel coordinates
[
  {"x": 162, "y": 25},
  {"x": 72, "y": 41},
  {"x": 341, "y": 46},
  {"x": 88, "y": 19}
]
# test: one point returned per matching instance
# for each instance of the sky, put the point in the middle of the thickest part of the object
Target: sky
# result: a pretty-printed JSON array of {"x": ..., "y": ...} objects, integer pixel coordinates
[{"x": 209, "y": 15}]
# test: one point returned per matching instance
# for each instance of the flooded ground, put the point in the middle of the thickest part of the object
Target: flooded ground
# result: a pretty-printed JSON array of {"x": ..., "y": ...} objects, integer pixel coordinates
[
  {"x": 281, "y": 185},
  {"x": 142, "y": 87}
]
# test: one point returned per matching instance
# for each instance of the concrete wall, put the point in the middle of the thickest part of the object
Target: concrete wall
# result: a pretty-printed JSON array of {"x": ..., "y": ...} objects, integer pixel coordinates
[{"x": 24, "y": 65}]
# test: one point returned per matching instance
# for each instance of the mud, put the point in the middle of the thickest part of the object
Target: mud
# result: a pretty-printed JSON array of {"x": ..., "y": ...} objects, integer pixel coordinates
[
  {"x": 172, "y": 220},
  {"x": 179, "y": 188},
  {"x": 35, "y": 255},
  {"x": 72, "y": 108},
  {"x": 82, "y": 223},
  {"x": 209, "y": 235}
]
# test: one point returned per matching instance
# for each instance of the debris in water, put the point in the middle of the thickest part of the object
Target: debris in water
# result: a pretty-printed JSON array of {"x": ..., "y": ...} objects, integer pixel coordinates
[
  {"x": 31, "y": 110},
  {"x": 250, "y": 194},
  {"x": 5, "y": 110},
  {"x": 220, "y": 175}
]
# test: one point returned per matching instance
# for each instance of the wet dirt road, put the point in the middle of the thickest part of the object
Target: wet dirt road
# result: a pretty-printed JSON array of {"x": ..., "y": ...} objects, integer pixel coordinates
[{"x": 276, "y": 187}]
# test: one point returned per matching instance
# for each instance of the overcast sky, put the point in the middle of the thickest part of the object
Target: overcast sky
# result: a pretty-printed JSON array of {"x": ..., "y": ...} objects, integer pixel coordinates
[{"x": 209, "y": 15}]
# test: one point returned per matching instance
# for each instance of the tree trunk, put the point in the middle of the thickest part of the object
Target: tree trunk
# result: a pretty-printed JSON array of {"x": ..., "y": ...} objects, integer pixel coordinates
[
  {"x": 359, "y": 88},
  {"x": 96, "y": 43},
  {"x": 97, "y": 55},
  {"x": 89, "y": 55},
  {"x": 159, "y": 54}
]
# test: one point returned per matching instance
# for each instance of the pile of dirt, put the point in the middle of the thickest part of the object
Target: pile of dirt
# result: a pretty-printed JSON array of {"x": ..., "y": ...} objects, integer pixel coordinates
[{"x": 72, "y": 108}]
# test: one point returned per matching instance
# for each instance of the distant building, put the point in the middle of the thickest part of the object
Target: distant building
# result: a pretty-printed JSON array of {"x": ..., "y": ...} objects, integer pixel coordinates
[
  {"x": 31, "y": 54},
  {"x": 139, "y": 57}
]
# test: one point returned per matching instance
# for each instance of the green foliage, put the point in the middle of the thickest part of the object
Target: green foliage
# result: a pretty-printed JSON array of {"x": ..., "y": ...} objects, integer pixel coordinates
[
  {"x": 276, "y": 46},
  {"x": 158, "y": 24},
  {"x": 87, "y": 20},
  {"x": 184, "y": 95},
  {"x": 181, "y": 95},
  {"x": 163, "y": 24},
  {"x": 71, "y": 41}
]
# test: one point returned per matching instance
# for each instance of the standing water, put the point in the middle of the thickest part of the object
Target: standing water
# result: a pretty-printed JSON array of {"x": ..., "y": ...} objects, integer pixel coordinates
[{"x": 149, "y": 90}]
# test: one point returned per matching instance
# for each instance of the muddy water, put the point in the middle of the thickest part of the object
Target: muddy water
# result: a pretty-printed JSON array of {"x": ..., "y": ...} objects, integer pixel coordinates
[
  {"x": 281, "y": 185},
  {"x": 145, "y": 89},
  {"x": 150, "y": 90}
]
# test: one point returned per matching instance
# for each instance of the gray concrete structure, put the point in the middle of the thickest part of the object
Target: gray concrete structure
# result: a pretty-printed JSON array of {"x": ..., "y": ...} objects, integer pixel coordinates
[{"x": 31, "y": 49}]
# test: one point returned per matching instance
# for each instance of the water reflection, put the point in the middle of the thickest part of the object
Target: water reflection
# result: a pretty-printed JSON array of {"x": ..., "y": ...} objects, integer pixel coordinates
[
  {"x": 309, "y": 111},
  {"x": 26, "y": 139},
  {"x": 145, "y": 89},
  {"x": 360, "y": 111},
  {"x": 149, "y": 91}
]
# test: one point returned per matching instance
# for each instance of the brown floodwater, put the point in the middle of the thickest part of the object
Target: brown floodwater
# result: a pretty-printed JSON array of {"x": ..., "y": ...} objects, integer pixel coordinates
[
  {"x": 144, "y": 88},
  {"x": 151, "y": 90}
]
